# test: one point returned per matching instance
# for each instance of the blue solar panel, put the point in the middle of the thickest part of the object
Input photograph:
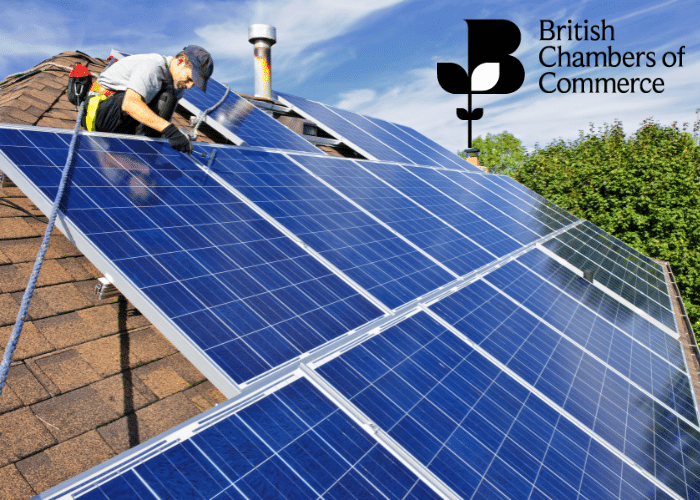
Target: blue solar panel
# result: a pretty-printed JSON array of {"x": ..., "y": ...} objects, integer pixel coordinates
[
  {"x": 345, "y": 131},
  {"x": 472, "y": 425},
  {"x": 585, "y": 249},
  {"x": 238, "y": 120},
  {"x": 452, "y": 159},
  {"x": 379, "y": 139},
  {"x": 374, "y": 130},
  {"x": 366, "y": 251},
  {"x": 639, "y": 362},
  {"x": 495, "y": 216},
  {"x": 399, "y": 212},
  {"x": 603, "y": 305},
  {"x": 599, "y": 398},
  {"x": 554, "y": 218},
  {"x": 519, "y": 190},
  {"x": 648, "y": 274},
  {"x": 435, "y": 152},
  {"x": 562, "y": 390},
  {"x": 292, "y": 444},
  {"x": 244, "y": 294}
]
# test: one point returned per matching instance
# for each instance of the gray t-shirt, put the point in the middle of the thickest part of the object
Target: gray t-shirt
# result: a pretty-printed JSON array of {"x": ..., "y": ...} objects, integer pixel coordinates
[{"x": 143, "y": 73}]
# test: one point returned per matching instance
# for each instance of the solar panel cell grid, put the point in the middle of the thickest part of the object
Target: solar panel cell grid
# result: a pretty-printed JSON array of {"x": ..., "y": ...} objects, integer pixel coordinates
[
  {"x": 460, "y": 194},
  {"x": 472, "y": 425},
  {"x": 539, "y": 210},
  {"x": 292, "y": 444},
  {"x": 449, "y": 161},
  {"x": 598, "y": 397},
  {"x": 452, "y": 161},
  {"x": 212, "y": 265},
  {"x": 599, "y": 302},
  {"x": 382, "y": 263},
  {"x": 575, "y": 247},
  {"x": 399, "y": 212},
  {"x": 379, "y": 133},
  {"x": 327, "y": 119},
  {"x": 242, "y": 120},
  {"x": 535, "y": 220},
  {"x": 670, "y": 384}
]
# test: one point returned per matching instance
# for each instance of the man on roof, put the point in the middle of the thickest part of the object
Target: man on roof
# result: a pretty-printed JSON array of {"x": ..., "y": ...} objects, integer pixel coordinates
[{"x": 138, "y": 94}]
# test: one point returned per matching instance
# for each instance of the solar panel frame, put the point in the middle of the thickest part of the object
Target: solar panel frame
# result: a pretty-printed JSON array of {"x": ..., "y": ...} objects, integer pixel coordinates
[
  {"x": 104, "y": 240},
  {"x": 613, "y": 276},
  {"x": 403, "y": 214},
  {"x": 374, "y": 376},
  {"x": 372, "y": 137},
  {"x": 293, "y": 440}
]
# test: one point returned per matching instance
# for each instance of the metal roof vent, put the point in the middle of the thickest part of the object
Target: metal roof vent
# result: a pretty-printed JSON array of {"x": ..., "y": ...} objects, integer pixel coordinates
[{"x": 263, "y": 37}]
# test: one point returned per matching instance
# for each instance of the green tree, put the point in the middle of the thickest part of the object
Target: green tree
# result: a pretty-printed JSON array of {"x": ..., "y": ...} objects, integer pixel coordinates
[
  {"x": 644, "y": 190},
  {"x": 500, "y": 153}
]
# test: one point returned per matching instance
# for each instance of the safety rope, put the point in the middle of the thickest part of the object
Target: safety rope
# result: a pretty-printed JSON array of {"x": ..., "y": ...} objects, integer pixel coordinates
[
  {"x": 201, "y": 117},
  {"x": 24, "y": 307}
]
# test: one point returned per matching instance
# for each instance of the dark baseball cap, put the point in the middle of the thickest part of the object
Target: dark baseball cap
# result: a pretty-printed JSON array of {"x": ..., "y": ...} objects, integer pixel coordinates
[{"x": 202, "y": 65}]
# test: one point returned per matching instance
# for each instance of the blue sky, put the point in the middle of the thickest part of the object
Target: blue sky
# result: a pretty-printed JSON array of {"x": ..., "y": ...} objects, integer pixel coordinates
[{"x": 379, "y": 57}]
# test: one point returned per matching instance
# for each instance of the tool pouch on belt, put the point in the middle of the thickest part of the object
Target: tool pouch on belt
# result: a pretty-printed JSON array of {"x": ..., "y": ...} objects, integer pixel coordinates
[{"x": 79, "y": 84}]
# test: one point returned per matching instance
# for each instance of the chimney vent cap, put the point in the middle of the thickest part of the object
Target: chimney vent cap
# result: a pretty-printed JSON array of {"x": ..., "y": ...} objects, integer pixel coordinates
[{"x": 262, "y": 31}]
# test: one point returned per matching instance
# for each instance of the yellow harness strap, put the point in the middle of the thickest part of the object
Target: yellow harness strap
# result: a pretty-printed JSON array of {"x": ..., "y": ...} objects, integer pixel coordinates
[{"x": 91, "y": 114}]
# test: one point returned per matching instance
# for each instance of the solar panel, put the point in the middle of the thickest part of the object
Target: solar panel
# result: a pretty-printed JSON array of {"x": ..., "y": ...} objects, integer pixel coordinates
[
  {"x": 431, "y": 149},
  {"x": 379, "y": 260},
  {"x": 483, "y": 432},
  {"x": 592, "y": 392},
  {"x": 459, "y": 193},
  {"x": 385, "y": 330},
  {"x": 370, "y": 138},
  {"x": 240, "y": 121},
  {"x": 294, "y": 443},
  {"x": 405, "y": 216},
  {"x": 342, "y": 129},
  {"x": 222, "y": 282},
  {"x": 651, "y": 361},
  {"x": 633, "y": 279}
]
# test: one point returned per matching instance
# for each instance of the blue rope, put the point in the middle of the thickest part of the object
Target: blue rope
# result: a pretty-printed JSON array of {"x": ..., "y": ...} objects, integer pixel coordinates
[{"x": 21, "y": 316}]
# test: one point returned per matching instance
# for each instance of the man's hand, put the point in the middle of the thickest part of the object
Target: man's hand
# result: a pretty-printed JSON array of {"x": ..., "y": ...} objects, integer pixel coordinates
[{"x": 177, "y": 139}]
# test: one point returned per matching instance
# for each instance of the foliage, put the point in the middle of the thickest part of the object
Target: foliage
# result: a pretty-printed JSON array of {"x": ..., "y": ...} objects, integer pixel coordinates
[
  {"x": 500, "y": 153},
  {"x": 645, "y": 190}
]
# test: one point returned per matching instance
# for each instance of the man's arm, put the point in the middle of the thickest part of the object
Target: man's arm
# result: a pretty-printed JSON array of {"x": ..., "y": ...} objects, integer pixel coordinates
[{"x": 135, "y": 107}]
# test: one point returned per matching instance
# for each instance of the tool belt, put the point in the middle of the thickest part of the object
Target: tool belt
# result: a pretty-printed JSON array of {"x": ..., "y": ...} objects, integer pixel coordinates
[
  {"x": 96, "y": 87},
  {"x": 100, "y": 94}
]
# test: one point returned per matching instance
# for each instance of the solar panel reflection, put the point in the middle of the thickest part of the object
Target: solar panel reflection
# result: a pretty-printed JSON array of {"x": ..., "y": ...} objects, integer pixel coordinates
[
  {"x": 366, "y": 251},
  {"x": 239, "y": 117},
  {"x": 471, "y": 424},
  {"x": 243, "y": 293},
  {"x": 602, "y": 399}
]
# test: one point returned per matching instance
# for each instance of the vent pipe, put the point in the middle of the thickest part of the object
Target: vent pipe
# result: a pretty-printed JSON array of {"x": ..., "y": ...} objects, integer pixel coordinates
[
  {"x": 588, "y": 275},
  {"x": 263, "y": 37}
]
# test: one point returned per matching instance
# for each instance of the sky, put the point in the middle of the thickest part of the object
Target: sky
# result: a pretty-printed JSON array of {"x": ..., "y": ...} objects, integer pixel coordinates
[{"x": 379, "y": 57}]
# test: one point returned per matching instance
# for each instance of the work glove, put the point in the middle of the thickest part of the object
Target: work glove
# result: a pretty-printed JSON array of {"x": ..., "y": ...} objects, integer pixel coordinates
[{"x": 177, "y": 139}]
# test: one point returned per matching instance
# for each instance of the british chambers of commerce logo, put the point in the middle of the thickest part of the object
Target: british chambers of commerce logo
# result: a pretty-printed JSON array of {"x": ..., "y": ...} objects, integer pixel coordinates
[{"x": 491, "y": 68}]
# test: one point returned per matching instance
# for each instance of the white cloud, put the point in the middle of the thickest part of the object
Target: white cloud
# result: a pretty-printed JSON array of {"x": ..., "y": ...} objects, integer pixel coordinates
[
  {"x": 356, "y": 98},
  {"x": 299, "y": 24},
  {"x": 529, "y": 114}
]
